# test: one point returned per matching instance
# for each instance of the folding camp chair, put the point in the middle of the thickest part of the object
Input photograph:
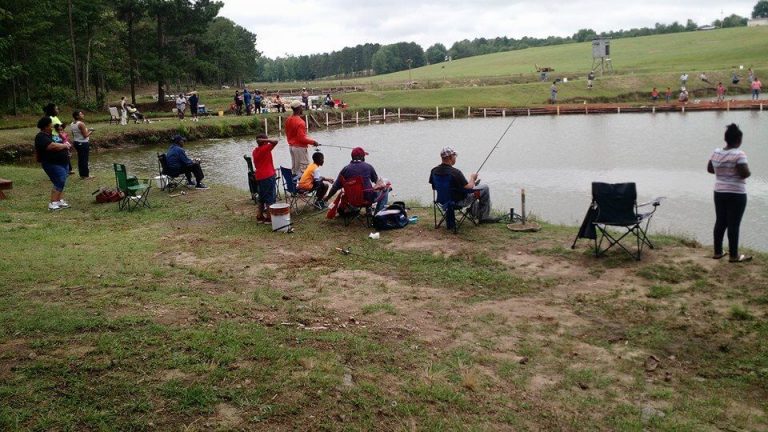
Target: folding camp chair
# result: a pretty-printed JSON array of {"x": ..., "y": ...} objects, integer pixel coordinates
[
  {"x": 444, "y": 204},
  {"x": 293, "y": 195},
  {"x": 354, "y": 201},
  {"x": 615, "y": 205},
  {"x": 172, "y": 179},
  {"x": 135, "y": 191},
  {"x": 253, "y": 185},
  {"x": 114, "y": 115}
]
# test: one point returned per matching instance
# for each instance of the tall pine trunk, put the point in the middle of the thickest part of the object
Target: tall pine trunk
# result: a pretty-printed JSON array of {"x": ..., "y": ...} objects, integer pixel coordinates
[
  {"x": 161, "y": 57},
  {"x": 74, "y": 50},
  {"x": 131, "y": 65}
]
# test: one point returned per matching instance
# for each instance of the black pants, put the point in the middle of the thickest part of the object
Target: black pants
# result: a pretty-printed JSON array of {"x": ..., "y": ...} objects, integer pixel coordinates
[
  {"x": 321, "y": 188},
  {"x": 193, "y": 169},
  {"x": 729, "y": 208},
  {"x": 83, "y": 149}
]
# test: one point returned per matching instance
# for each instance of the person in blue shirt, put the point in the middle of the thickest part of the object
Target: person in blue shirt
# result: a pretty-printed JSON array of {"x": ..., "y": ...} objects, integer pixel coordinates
[
  {"x": 247, "y": 100},
  {"x": 179, "y": 163},
  {"x": 376, "y": 189}
]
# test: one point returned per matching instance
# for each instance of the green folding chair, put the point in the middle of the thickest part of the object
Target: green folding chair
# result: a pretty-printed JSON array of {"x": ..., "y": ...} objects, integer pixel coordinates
[{"x": 135, "y": 191}]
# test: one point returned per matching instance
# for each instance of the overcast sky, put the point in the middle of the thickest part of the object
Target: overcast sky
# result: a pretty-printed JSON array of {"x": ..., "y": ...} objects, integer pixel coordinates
[{"x": 307, "y": 27}]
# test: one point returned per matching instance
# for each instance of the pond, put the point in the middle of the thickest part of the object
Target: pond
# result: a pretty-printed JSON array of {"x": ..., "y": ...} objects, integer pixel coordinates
[{"x": 554, "y": 158}]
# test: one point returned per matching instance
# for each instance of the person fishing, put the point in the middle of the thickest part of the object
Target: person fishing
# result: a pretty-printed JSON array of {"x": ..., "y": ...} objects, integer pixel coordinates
[
  {"x": 298, "y": 141},
  {"x": 465, "y": 191}
]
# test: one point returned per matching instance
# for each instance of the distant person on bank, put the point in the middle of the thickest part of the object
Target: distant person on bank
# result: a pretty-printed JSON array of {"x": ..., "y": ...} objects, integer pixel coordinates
[
  {"x": 756, "y": 87},
  {"x": 194, "y": 100},
  {"x": 81, "y": 135},
  {"x": 181, "y": 105},
  {"x": 729, "y": 165},
  {"x": 54, "y": 160},
  {"x": 179, "y": 163},
  {"x": 298, "y": 141},
  {"x": 553, "y": 92},
  {"x": 464, "y": 191},
  {"x": 720, "y": 92}
]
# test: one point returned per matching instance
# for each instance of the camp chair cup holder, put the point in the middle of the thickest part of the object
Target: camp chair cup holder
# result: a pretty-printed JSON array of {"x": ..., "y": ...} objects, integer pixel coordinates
[{"x": 614, "y": 217}]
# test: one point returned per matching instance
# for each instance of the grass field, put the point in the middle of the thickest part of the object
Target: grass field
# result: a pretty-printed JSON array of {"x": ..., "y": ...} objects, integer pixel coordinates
[{"x": 190, "y": 316}]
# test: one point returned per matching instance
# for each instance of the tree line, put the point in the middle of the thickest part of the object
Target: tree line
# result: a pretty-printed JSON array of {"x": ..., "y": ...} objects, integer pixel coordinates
[
  {"x": 75, "y": 52},
  {"x": 372, "y": 59}
]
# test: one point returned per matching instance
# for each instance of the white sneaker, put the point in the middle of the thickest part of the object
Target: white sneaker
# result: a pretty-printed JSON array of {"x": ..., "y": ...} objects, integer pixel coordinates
[
  {"x": 63, "y": 204},
  {"x": 54, "y": 206}
]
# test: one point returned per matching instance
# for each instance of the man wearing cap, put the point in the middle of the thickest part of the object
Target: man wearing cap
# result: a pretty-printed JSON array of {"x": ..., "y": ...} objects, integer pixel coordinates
[
  {"x": 298, "y": 141},
  {"x": 375, "y": 188},
  {"x": 264, "y": 173},
  {"x": 462, "y": 188},
  {"x": 180, "y": 163}
]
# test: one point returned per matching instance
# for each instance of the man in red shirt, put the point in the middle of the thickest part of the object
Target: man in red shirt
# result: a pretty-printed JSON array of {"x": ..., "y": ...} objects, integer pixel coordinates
[
  {"x": 298, "y": 141},
  {"x": 264, "y": 173}
]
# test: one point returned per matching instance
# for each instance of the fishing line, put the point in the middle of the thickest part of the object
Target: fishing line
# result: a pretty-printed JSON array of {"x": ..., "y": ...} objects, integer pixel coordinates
[{"x": 495, "y": 146}]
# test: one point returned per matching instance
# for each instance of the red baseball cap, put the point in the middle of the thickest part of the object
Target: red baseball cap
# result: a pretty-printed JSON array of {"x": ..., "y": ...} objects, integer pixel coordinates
[{"x": 358, "y": 153}]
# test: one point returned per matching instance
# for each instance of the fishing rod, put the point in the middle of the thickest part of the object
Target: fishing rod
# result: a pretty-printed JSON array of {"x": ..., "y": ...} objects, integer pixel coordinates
[
  {"x": 335, "y": 146},
  {"x": 495, "y": 146}
]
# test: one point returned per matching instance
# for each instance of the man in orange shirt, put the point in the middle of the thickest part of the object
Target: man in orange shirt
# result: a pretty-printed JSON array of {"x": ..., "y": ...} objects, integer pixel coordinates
[{"x": 298, "y": 141}]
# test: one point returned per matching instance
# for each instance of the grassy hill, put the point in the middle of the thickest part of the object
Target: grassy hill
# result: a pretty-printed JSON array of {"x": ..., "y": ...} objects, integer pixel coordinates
[{"x": 693, "y": 52}]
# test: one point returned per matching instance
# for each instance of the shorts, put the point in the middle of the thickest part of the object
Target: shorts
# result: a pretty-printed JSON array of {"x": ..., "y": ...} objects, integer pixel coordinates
[
  {"x": 58, "y": 175},
  {"x": 267, "y": 190}
]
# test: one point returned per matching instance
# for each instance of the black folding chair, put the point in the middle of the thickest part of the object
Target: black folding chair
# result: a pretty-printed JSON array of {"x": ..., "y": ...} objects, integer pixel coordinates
[
  {"x": 253, "y": 186},
  {"x": 615, "y": 205},
  {"x": 172, "y": 180},
  {"x": 443, "y": 203}
]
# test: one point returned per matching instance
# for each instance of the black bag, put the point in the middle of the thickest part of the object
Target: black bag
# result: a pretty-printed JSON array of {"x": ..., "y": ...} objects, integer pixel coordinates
[{"x": 392, "y": 217}]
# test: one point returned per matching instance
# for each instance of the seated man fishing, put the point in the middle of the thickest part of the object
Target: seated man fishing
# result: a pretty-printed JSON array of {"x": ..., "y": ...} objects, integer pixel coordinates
[
  {"x": 376, "y": 189},
  {"x": 462, "y": 189},
  {"x": 180, "y": 163}
]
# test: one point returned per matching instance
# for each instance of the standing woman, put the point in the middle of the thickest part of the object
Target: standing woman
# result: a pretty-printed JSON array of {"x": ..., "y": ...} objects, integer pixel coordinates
[
  {"x": 181, "y": 105},
  {"x": 729, "y": 165},
  {"x": 53, "y": 158},
  {"x": 81, "y": 137}
]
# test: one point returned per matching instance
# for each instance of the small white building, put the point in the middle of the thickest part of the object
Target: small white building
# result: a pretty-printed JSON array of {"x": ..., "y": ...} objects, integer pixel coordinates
[{"x": 757, "y": 22}]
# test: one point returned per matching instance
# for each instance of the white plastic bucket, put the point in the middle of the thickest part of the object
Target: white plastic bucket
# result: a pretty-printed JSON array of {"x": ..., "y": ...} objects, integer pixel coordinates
[
  {"x": 161, "y": 181},
  {"x": 281, "y": 217}
]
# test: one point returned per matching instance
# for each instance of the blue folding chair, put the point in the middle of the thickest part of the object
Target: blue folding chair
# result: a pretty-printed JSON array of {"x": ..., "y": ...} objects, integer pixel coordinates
[
  {"x": 292, "y": 193},
  {"x": 443, "y": 203}
]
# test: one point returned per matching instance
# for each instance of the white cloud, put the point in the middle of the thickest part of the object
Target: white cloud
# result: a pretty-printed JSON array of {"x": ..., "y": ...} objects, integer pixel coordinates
[{"x": 306, "y": 27}]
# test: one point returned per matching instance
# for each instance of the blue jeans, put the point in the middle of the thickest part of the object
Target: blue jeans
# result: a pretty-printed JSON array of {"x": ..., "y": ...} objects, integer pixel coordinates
[
  {"x": 58, "y": 175},
  {"x": 83, "y": 149},
  {"x": 755, "y": 94}
]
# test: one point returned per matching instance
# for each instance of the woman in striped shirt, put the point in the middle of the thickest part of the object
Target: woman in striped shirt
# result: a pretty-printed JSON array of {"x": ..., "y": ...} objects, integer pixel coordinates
[{"x": 729, "y": 165}]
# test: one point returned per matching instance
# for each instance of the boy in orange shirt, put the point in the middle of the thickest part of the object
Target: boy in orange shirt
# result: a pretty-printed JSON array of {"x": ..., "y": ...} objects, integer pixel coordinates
[{"x": 312, "y": 180}]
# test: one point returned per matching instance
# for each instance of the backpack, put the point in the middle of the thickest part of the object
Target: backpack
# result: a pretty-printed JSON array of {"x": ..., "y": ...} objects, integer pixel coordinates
[
  {"x": 107, "y": 195},
  {"x": 392, "y": 217}
]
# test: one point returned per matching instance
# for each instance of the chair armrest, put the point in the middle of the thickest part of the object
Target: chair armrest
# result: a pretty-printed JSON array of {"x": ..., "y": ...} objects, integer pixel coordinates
[{"x": 655, "y": 202}]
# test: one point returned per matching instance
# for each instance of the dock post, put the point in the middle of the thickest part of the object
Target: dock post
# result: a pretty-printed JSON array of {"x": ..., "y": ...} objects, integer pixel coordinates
[
  {"x": 503, "y": 113},
  {"x": 342, "y": 118},
  {"x": 485, "y": 113},
  {"x": 385, "y": 115},
  {"x": 357, "y": 117},
  {"x": 437, "y": 113},
  {"x": 618, "y": 110},
  {"x": 529, "y": 112},
  {"x": 728, "y": 105},
  {"x": 279, "y": 124},
  {"x": 453, "y": 110},
  {"x": 326, "y": 119},
  {"x": 369, "y": 116},
  {"x": 761, "y": 107},
  {"x": 653, "y": 110},
  {"x": 266, "y": 127},
  {"x": 398, "y": 114},
  {"x": 683, "y": 108},
  {"x": 558, "y": 110},
  {"x": 469, "y": 112},
  {"x": 306, "y": 120},
  {"x": 586, "y": 109}
]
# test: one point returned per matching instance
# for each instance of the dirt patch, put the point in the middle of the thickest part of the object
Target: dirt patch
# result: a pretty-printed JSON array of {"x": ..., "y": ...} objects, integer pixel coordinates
[{"x": 228, "y": 416}]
